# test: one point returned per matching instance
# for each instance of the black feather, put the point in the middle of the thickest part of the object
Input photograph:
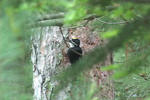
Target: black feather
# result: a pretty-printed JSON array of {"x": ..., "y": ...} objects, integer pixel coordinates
[{"x": 73, "y": 57}]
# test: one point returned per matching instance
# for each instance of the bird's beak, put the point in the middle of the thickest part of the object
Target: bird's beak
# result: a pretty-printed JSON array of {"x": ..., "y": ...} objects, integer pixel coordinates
[{"x": 68, "y": 40}]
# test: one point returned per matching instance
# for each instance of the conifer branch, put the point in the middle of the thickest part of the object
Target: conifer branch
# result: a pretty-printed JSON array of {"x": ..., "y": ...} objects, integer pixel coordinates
[
  {"x": 123, "y": 22},
  {"x": 52, "y": 16},
  {"x": 56, "y": 22},
  {"x": 137, "y": 1}
]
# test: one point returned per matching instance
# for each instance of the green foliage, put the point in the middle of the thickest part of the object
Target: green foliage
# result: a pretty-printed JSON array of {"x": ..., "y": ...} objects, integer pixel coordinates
[
  {"x": 82, "y": 89},
  {"x": 136, "y": 30},
  {"x": 16, "y": 81},
  {"x": 15, "y": 45},
  {"x": 126, "y": 33},
  {"x": 135, "y": 85}
]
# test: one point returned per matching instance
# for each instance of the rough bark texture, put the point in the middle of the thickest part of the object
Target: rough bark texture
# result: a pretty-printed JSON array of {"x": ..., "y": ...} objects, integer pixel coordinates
[
  {"x": 46, "y": 57},
  {"x": 48, "y": 54}
]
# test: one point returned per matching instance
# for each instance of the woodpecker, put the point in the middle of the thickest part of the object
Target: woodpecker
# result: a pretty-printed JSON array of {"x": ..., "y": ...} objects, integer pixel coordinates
[{"x": 74, "y": 52}]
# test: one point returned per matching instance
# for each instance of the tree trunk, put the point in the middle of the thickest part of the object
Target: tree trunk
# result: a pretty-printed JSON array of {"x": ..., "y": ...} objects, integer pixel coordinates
[{"x": 46, "y": 57}]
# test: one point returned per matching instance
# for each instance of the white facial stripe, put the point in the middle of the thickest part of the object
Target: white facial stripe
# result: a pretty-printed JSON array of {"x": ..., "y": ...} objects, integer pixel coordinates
[{"x": 73, "y": 43}]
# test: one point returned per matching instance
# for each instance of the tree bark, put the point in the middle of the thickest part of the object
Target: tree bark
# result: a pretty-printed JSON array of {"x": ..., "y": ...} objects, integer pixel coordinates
[{"x": 46, "y": 57}]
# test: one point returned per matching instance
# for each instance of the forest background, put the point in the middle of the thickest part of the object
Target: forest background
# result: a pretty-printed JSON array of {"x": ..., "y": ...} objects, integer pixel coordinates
[{"x": 125, "y": 23}]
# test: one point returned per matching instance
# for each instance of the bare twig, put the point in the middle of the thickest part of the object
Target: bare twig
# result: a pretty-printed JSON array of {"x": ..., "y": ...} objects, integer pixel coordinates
[
  {"x": 86, "y": 23},
  {"x": 143, "y": 76},
  {"x": 112, "y": 23},
  {"x": 73, "y": 27},
  {"x": 66, "y": 43},
  {"x": 63, "y": 36}
]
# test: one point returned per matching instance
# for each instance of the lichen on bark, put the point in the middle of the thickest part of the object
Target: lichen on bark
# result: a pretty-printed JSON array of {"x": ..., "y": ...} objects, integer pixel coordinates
[{"x": 46, "y": 56}]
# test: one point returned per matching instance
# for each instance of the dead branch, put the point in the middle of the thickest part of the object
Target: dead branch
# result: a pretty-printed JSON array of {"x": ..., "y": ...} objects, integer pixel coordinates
[{"x": 123, "y": 22}]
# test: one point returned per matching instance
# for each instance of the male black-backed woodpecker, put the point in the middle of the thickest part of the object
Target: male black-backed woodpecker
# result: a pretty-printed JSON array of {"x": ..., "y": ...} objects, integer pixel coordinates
[{"x": 74, "y": 52}]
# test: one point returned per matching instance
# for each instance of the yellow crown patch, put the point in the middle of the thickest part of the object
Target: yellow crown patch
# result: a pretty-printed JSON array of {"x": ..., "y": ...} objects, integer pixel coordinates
[{"x": 74, "y": 38}]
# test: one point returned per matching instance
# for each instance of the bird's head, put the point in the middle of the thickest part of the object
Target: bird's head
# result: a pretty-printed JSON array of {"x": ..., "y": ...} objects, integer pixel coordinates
[{"x": 73, "y": 42}]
